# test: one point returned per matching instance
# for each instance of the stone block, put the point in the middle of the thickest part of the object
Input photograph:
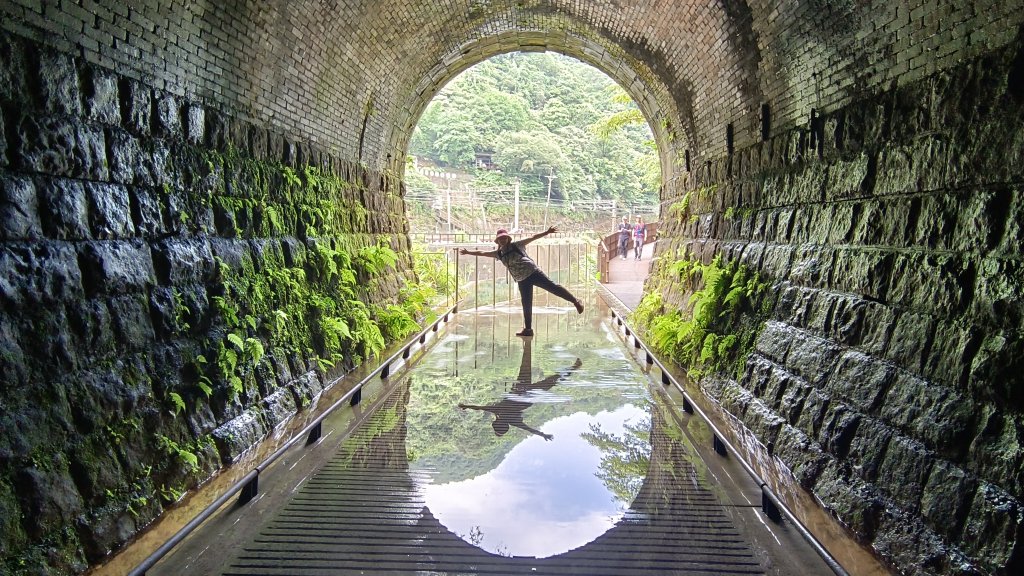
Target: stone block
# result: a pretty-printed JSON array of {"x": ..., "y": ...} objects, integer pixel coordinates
[
  {"x": 235, "y": 437},
  {"x": 102, "y": 97},
  {"x": 998, "y": 368},
  {"x": 801, "y": 455},
  {"x": 57, "y": 81},
  {"x": 19, "y": 209},
  {"x": 981, "y": 220},
  {"x": 64, "y": 209},
  {"x": 110, "y": 214},
  {"x": 183, "y": 261},
  {"x": 194, "y": 123},
  {"x": 911, "y": 338},
  {"x": 43, "y": 274},
  {"x": 904, "y": 470},
  {"x": 812, "y": 266},
  {"x": 59, "y": 147},
  {"x": 860, "y": 380},
  {"x": 279, "y": 407},
  {"x": 938, "y": 416},
  {"x": 136, "y": 107},
  {"x": 999, "y": 292},
  {"x": 858, "y": 505},
  {"x": 103, "y": 529},
  {"x": 215, "y": 135},
  {"x": 812, "y": 413},
  {"x": 13, "y": 70},
  {"x": 932, "y": 282},
  {"x": 48, "y": 497},
  {"x": 733, "y": 397},
  {"x": 147, "y": 211},
  {"x": 867, "y": 448},
  {"x": 993, "y": 529},
  {"x": 116, "y": 267},
  {"x": 294, "y": 252},
  {"x": 92, "y": 327},
  {"x": 4, "y": 161},
  {"x": 936, "y": 221},
  {"x": 777, "y": 382},
  {"x": 307, "y": 386},
  {"x": 948, "y": 360},
  {"x": 235, "y": 254},
  {"x": 756, "y": 371},
  {"x": 866, "y": 273},
  {"x": 812, "y": 358},
  {"x": 132, "y": 322},
  {"x": 946, "y": 499},
  {"x": 838, "y": 226},
  {"x": 167, "y": 120},
  {"x": 758, "y": 417},
  {"x": 839, "y": 426},
  {"x": 773, "y": 341},
  {"x": 845, "y": 179},
  {"x": 791, "y": 403},
  {"x": 95, "y": 467},
  {"x": 126, "y": 156},
  {"x": 904, "y": 540},
  {"x": 898, "y": 171}
]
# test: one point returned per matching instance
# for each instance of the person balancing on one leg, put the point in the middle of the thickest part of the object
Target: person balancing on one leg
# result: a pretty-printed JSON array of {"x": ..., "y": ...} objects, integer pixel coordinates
[{"x": 525, "y": 272}]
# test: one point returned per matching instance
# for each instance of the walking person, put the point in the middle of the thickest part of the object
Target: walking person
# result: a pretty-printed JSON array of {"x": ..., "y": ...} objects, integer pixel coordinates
[
  {"x": 525, "y": 272},
  {"x": 625, "y": 231},
  {"x": 639, "y": 236}
]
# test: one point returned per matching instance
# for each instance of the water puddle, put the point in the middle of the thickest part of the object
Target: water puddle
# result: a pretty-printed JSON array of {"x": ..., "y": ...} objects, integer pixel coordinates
[{"x": 524, "y": 439}]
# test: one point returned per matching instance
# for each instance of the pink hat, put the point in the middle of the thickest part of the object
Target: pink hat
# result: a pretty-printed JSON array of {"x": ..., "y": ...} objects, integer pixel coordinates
[{"x": 501, "y": 232}]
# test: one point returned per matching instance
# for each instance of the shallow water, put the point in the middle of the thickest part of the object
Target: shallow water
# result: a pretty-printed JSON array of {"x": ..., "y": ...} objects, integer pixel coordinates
[{"x": 490, "y": 453}]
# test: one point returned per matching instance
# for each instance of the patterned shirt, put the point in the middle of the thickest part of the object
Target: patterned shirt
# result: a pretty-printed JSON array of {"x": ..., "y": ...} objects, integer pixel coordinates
[{"x": 519, "y": 265}]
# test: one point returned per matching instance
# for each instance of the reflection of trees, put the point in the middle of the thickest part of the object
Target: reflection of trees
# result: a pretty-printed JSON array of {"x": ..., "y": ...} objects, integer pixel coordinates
[
  {"x": 450, "y": 442},
  {"x": 624, "y": 459}
]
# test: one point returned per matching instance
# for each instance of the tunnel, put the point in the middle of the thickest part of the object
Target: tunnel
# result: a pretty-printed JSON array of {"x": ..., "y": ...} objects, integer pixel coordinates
[{"x": 186, "y": 188}]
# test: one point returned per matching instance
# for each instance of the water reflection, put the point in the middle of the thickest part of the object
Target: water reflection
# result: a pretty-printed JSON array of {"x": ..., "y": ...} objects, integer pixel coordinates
[
  {"x": 509, "y": 411},
  {"x": 551, "y": 453}
]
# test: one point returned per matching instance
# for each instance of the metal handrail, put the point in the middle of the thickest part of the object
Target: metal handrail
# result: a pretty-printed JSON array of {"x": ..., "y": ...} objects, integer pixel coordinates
[
  {"x": 247, "y": 486},
  {"x": 772, "y": 506}
]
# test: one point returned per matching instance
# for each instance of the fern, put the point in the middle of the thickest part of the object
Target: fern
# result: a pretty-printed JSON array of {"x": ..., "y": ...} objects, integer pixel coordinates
[{"x": 177, "y": 401}]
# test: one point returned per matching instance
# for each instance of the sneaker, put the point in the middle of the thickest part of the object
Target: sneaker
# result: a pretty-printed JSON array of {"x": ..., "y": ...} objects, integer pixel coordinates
[
  {"x": 579, "y": 306},
  {"x": 525, "y": 332}
]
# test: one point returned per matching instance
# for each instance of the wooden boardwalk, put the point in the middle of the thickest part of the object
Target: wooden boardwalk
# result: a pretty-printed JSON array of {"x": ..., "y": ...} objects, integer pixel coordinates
[{"x": 626, "y": 277}]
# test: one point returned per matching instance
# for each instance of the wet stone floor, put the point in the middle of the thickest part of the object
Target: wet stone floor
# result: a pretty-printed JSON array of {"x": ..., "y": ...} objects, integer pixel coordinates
[{"x": 494, "y": 454}]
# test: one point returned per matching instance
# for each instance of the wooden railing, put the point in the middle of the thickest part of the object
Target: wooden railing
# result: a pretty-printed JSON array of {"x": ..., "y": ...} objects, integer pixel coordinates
[{"x": 608, "y": 248}]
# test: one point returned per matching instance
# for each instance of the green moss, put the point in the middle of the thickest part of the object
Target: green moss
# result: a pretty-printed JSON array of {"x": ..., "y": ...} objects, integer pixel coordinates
[{"x": 715, "y": 331}]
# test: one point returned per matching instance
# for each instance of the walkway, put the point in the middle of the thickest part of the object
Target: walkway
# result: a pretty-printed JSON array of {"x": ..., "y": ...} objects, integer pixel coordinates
[
  {"x": 492, "y": 454},
  {"x": 627, "y": 277}
]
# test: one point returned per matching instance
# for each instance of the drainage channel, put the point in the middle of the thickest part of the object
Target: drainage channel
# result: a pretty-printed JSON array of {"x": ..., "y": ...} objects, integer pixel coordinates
[{"x": 493, "y": 454}]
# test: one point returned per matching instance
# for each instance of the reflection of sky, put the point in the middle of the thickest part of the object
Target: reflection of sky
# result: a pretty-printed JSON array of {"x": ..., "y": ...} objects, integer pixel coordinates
[{"x": 544, "y": 498}]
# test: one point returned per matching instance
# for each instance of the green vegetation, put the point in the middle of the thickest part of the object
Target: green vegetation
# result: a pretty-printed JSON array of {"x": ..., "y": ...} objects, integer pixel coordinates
[
  {"x": 716, "y": 329},
  {"x": 540, "y": 115}
]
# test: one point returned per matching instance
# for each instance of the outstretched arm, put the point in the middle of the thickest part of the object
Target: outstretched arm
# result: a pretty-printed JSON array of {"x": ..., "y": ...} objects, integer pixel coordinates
[
  {"x": 487, "y": 408},
  {"x": 491, "y": 253},
  {"x": 523, "y": 426},
  {"x": 540, "y": 235}
]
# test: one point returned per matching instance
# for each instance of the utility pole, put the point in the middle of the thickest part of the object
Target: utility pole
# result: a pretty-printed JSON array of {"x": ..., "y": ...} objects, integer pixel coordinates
[
  {"x": 551, "y": 177},
  {"x": 515, "y": 221}
]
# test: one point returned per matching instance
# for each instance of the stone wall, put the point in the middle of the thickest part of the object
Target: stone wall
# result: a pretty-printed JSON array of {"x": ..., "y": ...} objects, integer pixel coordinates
[
  {"x": 886, "y": 371},
  {"x": 174, "y": 283}
]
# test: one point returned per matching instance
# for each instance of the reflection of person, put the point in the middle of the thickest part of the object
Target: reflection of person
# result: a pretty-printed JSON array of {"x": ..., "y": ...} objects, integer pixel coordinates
[
  {"x": 639, "y": 235},
  {"x": 624, "y": 232},
  {"x": 509, "y": 412},
  {"x": 525, "y": 272}
]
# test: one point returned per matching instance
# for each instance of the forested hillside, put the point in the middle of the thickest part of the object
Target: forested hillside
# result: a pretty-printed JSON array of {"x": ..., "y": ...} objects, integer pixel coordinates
[{"x": 545, "y": 119}]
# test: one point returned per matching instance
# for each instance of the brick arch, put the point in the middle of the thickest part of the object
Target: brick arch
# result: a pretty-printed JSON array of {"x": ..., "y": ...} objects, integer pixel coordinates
[{"x": 653, "y": 101}]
